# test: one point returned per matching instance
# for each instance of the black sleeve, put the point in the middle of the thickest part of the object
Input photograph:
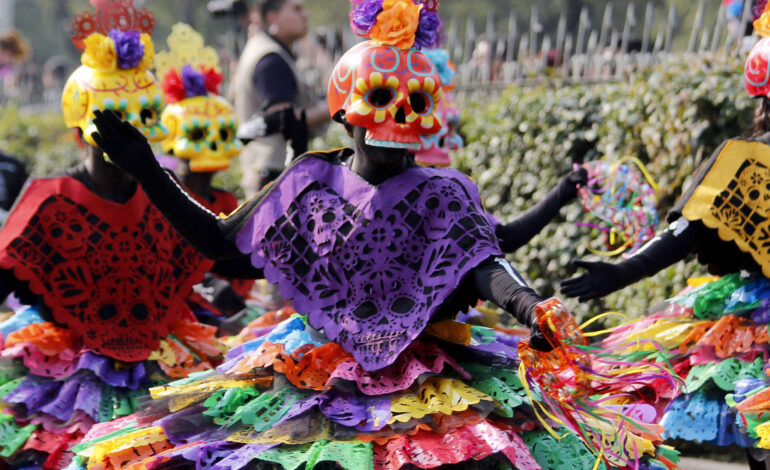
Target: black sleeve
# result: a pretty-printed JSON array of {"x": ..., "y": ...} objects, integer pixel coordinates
[
  {"x": 238, "y": 268},
  {"x": 201, "y": 227},
  {"x": 665, "y": 249},
  {"x": 8, "y": 284},
  {"x": 274, "y": 81},
  {"x": 498, "y": 282},
  {"x": 518, "y": 233},
  {"x": 14, "y": 175}
]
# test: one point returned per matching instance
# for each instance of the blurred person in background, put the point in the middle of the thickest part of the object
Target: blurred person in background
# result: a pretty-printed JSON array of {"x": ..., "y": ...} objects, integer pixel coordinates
[
  {"x": 13, "y": 174},
  {"x": 267, "y": 79},
  {"x": 14, "y": 49}
]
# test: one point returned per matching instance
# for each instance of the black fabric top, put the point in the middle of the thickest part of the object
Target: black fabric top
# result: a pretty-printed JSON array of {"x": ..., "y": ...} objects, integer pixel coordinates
[
  {"x": 12, "y": 178},
  {"x": 274, "y": 81}
]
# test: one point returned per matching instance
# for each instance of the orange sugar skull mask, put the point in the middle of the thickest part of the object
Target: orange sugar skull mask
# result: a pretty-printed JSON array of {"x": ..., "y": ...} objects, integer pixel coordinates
[{"x": 391, "y": 92}]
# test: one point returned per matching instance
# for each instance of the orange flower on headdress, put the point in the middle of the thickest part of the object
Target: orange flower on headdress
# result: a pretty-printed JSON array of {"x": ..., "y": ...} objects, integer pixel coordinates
[
  {"x": 100, "y": 53},
  {"x": 149, "y": 52},
  {"x": 762, "y": 24},
  {"x": 397, "y": 23}
]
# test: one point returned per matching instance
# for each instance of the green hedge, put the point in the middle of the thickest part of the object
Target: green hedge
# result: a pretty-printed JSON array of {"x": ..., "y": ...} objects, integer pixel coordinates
[
  {"x": 671, "y": 117},
  {"x": 40, "y": 140}
]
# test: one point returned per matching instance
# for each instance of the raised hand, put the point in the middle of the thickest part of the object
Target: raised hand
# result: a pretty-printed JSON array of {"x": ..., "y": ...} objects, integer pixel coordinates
[
  {"x": 599, "y": 280},
  {"x": 574, "y": 180},
  {"x": 537, "y": 339},
  {"x": 124, "y": 144},
  {"x": 285, "y": 120}
]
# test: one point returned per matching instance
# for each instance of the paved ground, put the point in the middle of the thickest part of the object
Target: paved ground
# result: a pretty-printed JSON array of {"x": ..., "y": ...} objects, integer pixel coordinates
[{"x": 698, "y": 464}]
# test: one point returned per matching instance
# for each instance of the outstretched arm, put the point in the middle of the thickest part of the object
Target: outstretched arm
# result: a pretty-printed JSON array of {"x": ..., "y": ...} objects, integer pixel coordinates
[
  {"x": 662, "y": 251},
  {"x": 129, "y": 149},
  {"x": 498, "y": 282},
  {"x": 518, "y": 233}
]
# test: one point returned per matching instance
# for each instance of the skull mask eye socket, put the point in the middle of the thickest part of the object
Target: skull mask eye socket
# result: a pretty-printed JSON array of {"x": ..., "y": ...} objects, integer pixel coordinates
[
  {"x": 225, "y": 134},
  {"x": 149, "y": 117},
  {"x": 381, "y": 97},
  {"x": 121, "y": 114},
  {"x": 197, "y": 134},
  {"x": 422, "y": 104},
  {"x": 140, "y": 312},
  {"x": 107, "y": 312}
]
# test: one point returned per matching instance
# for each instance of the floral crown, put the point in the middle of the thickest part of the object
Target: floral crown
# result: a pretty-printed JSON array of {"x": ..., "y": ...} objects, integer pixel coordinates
[
  {"x": 401, "y": 23},
  {"x": 188, "y": 68},
  {"x": 761, "y": 17},
  {"x": 115, "y": 36}
]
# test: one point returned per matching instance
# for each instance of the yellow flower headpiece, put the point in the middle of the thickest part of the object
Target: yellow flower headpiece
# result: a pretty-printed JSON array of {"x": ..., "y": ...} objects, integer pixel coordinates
[
  {"x": 132, "y": 51},
  {"x": 186, "y": 47}
]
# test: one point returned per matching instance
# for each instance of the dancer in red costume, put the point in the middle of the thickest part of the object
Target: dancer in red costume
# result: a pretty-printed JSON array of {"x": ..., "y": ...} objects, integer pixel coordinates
[{"x": 105, "y": 275}]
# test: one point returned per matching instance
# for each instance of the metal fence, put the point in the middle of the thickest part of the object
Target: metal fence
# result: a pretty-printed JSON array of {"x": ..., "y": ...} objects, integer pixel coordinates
[
  {"x": 584, "y": 53},
  {"x": 34, "y": 88}
]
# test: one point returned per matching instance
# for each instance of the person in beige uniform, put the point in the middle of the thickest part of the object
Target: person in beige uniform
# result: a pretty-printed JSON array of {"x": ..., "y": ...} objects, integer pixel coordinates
[{"x": 266, "y": 80}]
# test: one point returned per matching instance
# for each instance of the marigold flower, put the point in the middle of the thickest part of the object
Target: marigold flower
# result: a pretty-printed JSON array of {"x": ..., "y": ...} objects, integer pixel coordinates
[{"x": 397, "y": 23}]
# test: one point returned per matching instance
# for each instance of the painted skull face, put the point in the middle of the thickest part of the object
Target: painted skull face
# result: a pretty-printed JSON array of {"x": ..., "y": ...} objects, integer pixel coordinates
[
  {"x": 66, "y": 226},
  {"x": 392, "y": 93},
  {"x": 127, "y": 326},
  {"x": 132, "y": 93},
  {"x": 384, "y": 319},
  {"x": 436, "y": 148},
  {"x": 757, "y": 70},
  {"x": 202, "y": 130}
]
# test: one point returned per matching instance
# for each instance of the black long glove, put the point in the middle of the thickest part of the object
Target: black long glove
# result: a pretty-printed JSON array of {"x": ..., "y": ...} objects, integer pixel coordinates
[
  {"x": 297, "y": 132},
  {"x": 285, "y": 121},
  {"x": 662, "y": 251},
  {"x": 498, "y": 282},
  {"x": 127, "y": 148},
  {"x": 220, "y": 293},
  {"x": 518, "y": 233}
]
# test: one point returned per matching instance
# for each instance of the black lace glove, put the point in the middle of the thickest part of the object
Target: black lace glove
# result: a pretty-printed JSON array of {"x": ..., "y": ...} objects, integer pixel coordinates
[
  {"x": 296, "y": 131},
  {"x": 574, "y": 181},
  {"x": 599, "y": 280},
  {"x": 602, "y": 278},
  {"x": 498, "y": 282},
  {"x": 221, "y": 294},
  {"x": 129, "y": 150},
  {"x": 123, "y": 143},
  {"x": 537, "y": 340}
]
